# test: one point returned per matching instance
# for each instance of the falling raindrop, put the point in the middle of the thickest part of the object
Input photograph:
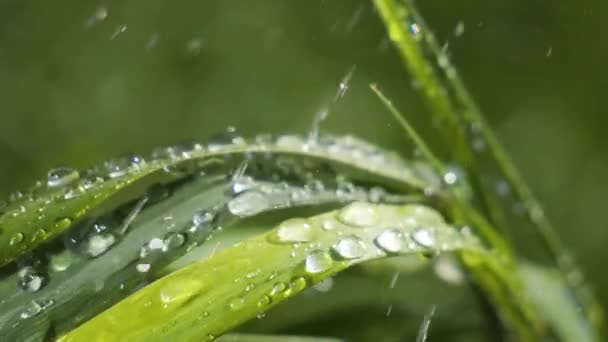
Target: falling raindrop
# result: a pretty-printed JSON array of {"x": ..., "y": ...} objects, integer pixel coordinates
[
  {"x": 415, "y": 30},
  {"x": 350, "y": 247},
  {"x": 358, "y": 214},
  {"x": 294, "y": 230},
  {"x": 194, "y": 46},
  {"x": 344, "y": 84},
  {"x": 391, "y": 241},
  {"x": 318, "y": 262},
  {"x": 100, "y": 14},
  {"x": 61, "y": 176},
  {"x": 118, "y": 31},
  {"x": 248, "y": 203},
  {"x": 423, "y": 237}
]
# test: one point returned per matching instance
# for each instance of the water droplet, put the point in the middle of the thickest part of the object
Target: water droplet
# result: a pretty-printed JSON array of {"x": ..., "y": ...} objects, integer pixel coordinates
[
  {"x": 294, "y": 230},
  {"x": 16, "y": 239},
  {"x": 328, "y": 224},
  {"x": 61, "y": 176},
  {"x": 450, "y": 177},
  {"x": 227, "y": 138},
  {"x": 30, "y": 280},
  {"x": 296, "y": 285},
  {"x": 350, "y": 247},
  {"x": 359, "y": 214},
  {"x": 448, "y": 270},
  {"x": 248, "y": 203},
  {"x": 99, "y": 244},
  {"x": 423, "y": 237},
  {"x": 325, "y": 285},
  {"x": 277, "y": 288},
  {"x": 61, "y": 261},
  {"x": 318, "y": 262},
  {"x": 31, "y": 309},
  {"x": 173, "y": 241},
  {"x": 203, "y": 217},
  {"x": 236, "y": 303},
  {"x": 100, "y": 14},
  {"x": 415, "y": 29},
  {"x": 143, "y": 268},
  {"x": 391, "y": 240},
  {"x": 265, "y": 300},
  {"x": 194, "y": 46},
  {"x": 120, "y": 166},
  {"x": 155, "y": 244}
]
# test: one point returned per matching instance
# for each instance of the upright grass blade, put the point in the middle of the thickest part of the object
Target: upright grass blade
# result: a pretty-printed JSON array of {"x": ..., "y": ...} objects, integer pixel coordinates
[
  {"x": 449, "y": 100},
  {"x": 210, "y": 297}
]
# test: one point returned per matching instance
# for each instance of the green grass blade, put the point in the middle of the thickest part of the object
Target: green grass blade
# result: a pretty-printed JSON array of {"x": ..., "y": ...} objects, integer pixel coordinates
[{"x": 210, "y": 297}]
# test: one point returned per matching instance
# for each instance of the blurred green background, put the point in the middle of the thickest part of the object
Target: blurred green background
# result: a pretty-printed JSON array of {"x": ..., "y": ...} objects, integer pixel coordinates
[{"x": 82, "y": 81}]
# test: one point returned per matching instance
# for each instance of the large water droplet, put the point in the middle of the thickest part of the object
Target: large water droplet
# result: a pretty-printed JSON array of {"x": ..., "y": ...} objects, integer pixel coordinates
[
  {"x": 359, "y": 214},
  {"x": 295, "y": 230},
  {"x": 296, "y": 285},
  {"x": 143, "y": 268},
  {"x": 30, "y": 280},
  {"x": 350, "y": 247},
  {"x": 61, "y": 176},
  {"x": 248, "y": 203},
  {"x": 391, "y": 240},
  {"x": 318, "y": 262},
  {"x": 423, "y": 237}
]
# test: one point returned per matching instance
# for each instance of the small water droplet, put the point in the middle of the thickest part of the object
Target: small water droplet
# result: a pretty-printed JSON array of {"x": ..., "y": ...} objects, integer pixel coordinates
[
  {"x": 391, "y": 241},
  {"x": 264, "y": 301},
  {"x": 236, "y": 303},
  {"x": 16, "y": 239},
  {"x": 202, "y": 217},
  {"x": 143, "y": 268},
  {"x": 450, "y": 177},
  {"x": 294, "y": 230},
  {"x": 350, "y": 247},
  {"x": 31, "y": 309},
  {"x": 359, "y": 214},
  {"x": 225, "y": 139},
  {"x": 194, "y": 46},
  {"x": 61, "y": 176},
  {"x": 173, "y": 241},
  {"x": 296, "y": 285},
  {"x": 248, "y": 203},
  {"x": 325, "y": 285},
  {"x": 277, "y": 288},
  {"x": 328, "y": 224},
  {"x": 120, "y": 166},
  {"x": 415, "y": 29},
  {"x": 423, "y": 237},
  {"x": 318, "y": 262}
]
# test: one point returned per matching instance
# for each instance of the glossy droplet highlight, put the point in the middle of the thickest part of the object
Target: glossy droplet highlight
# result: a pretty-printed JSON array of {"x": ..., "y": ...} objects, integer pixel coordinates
[
  {"x": 359, "y": 214},
  {"x": 61, "y": 176},
  {"x": 423, "y": 237},
  {"x": 248, "y": 203},
  {"x": 318, "y": 262},
  {"x": 294, "y": 230},
  {"x": 391, "y": 241},
  {"x": 350, "y": 247},
  {"x": 16, "y": 239}
]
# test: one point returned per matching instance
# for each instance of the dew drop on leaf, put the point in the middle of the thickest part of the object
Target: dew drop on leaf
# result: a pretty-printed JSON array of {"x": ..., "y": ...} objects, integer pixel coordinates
[
  {"x": 16, "y": 239},
  {"x": 423, "y": 237},
  {"x": 248, "y": 203},
  {"x": 30, "y": 280},
  {"x": 61, "y": 176},
  {"x": 350, "y": 247},
  {"x": 358, "y": 214},
  {"x": 318, "y": 262},
  {"x": 391, "y": 241},
  {"x": 294, "y": 230}
]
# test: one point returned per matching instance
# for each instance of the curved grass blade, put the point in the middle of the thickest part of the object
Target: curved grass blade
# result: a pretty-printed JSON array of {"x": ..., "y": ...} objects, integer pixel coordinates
[
  {"x": 210, "y": 297},
  {"x": 47, "y": 211},
  {"x": 196, "y": 211},
  {"x": 272, "y": 338}
]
